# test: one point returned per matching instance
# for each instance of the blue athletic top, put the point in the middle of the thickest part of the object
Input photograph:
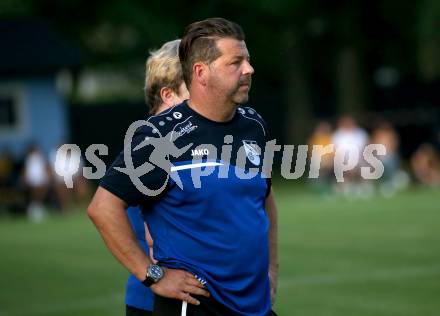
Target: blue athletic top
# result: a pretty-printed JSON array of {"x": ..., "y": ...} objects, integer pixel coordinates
[
  {"x": 210, "y": 219},
  {"x": 136, "y": 294}
]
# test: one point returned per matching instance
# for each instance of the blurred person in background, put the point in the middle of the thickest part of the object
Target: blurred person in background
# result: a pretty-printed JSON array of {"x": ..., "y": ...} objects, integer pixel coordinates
[
  {"x": 385, "y": 134},
  {"x": 36, "y": 179},
  {"x": 349, "y": 134},
  {"x": 322, "y": 136},
  {"x": 164, "y": 88},
  {"x": 61, "y": 168},
  {"x": 425, "y": 165},
  {"x": 13, "y": 199}
]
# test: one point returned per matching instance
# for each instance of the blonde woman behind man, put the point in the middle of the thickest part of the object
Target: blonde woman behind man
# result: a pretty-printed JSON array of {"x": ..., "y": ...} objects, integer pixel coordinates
[{"x": 164, "y": 87}]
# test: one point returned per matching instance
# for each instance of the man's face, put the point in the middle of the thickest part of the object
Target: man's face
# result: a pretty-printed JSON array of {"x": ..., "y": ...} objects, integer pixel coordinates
[{"x": 230, "y": 74}]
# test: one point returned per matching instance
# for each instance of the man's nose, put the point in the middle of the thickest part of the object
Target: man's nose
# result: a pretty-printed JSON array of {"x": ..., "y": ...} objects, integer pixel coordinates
[{"x": 248, "y": 69}]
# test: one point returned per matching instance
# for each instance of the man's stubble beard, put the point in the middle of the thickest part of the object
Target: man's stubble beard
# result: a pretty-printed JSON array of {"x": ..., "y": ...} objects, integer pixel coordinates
[
  {"x": 239, "y": 97},
  {"x": 228, "y": 95}
]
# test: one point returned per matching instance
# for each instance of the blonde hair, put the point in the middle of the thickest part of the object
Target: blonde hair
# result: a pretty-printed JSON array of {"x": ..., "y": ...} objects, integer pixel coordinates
[{"x": 162, "y": 69}]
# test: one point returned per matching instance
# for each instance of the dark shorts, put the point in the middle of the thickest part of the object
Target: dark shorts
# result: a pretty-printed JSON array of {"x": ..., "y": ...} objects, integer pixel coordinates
[
  {"x": 208, "y": 307},
  {"x": 133, "y": 311}
]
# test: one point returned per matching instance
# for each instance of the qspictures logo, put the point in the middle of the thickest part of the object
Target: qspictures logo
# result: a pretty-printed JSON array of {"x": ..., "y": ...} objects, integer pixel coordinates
[{"x": 346, "y": 159}]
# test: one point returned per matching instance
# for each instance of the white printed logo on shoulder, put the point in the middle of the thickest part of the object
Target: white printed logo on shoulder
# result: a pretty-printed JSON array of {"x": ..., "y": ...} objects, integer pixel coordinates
[
  {"x": 177, "y": 115},
  {"x": 188, "y": 128},
  {"x": 252, "y": 151}
]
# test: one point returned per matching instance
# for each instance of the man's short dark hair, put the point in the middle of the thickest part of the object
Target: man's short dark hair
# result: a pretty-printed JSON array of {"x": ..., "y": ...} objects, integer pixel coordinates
[{"x": 199, "y": 42}]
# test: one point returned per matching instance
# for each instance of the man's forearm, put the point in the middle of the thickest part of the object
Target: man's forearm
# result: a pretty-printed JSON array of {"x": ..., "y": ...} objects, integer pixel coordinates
[
  {"x": 110, "y": 219},
  {"x": 108, "y": 214},
  {"x": 272, "y": 213}
]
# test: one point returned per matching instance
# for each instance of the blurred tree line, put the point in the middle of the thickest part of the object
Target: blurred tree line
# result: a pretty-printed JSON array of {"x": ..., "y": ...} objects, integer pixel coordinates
[{"x": 312, "y": 58}]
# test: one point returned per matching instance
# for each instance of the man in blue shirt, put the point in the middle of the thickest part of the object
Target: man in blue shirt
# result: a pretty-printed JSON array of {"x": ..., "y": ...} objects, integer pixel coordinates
[{"x": 212, "y": 216}]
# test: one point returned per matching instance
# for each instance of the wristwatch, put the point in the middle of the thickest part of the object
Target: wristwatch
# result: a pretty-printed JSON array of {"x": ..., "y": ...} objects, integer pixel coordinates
[{"x": 154, "y": 274}]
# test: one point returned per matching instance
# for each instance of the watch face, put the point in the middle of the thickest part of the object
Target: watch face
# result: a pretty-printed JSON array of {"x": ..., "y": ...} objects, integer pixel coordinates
[{"x": 155, "y": 272}]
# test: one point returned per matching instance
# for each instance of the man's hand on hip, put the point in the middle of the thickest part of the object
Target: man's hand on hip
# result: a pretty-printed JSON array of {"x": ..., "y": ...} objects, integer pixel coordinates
[
  {"x": 179, "y": 284},
  {"x": 273, "y": 278}
]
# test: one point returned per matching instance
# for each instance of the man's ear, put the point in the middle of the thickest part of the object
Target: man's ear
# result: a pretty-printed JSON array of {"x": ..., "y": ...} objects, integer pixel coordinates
[
  {"x": 167, "y": 96},
  {"x": 200, "y": 72}
]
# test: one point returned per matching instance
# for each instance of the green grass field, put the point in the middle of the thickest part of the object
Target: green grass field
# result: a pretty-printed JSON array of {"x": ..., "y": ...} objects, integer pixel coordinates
[{"x": 338, "y": 258}]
